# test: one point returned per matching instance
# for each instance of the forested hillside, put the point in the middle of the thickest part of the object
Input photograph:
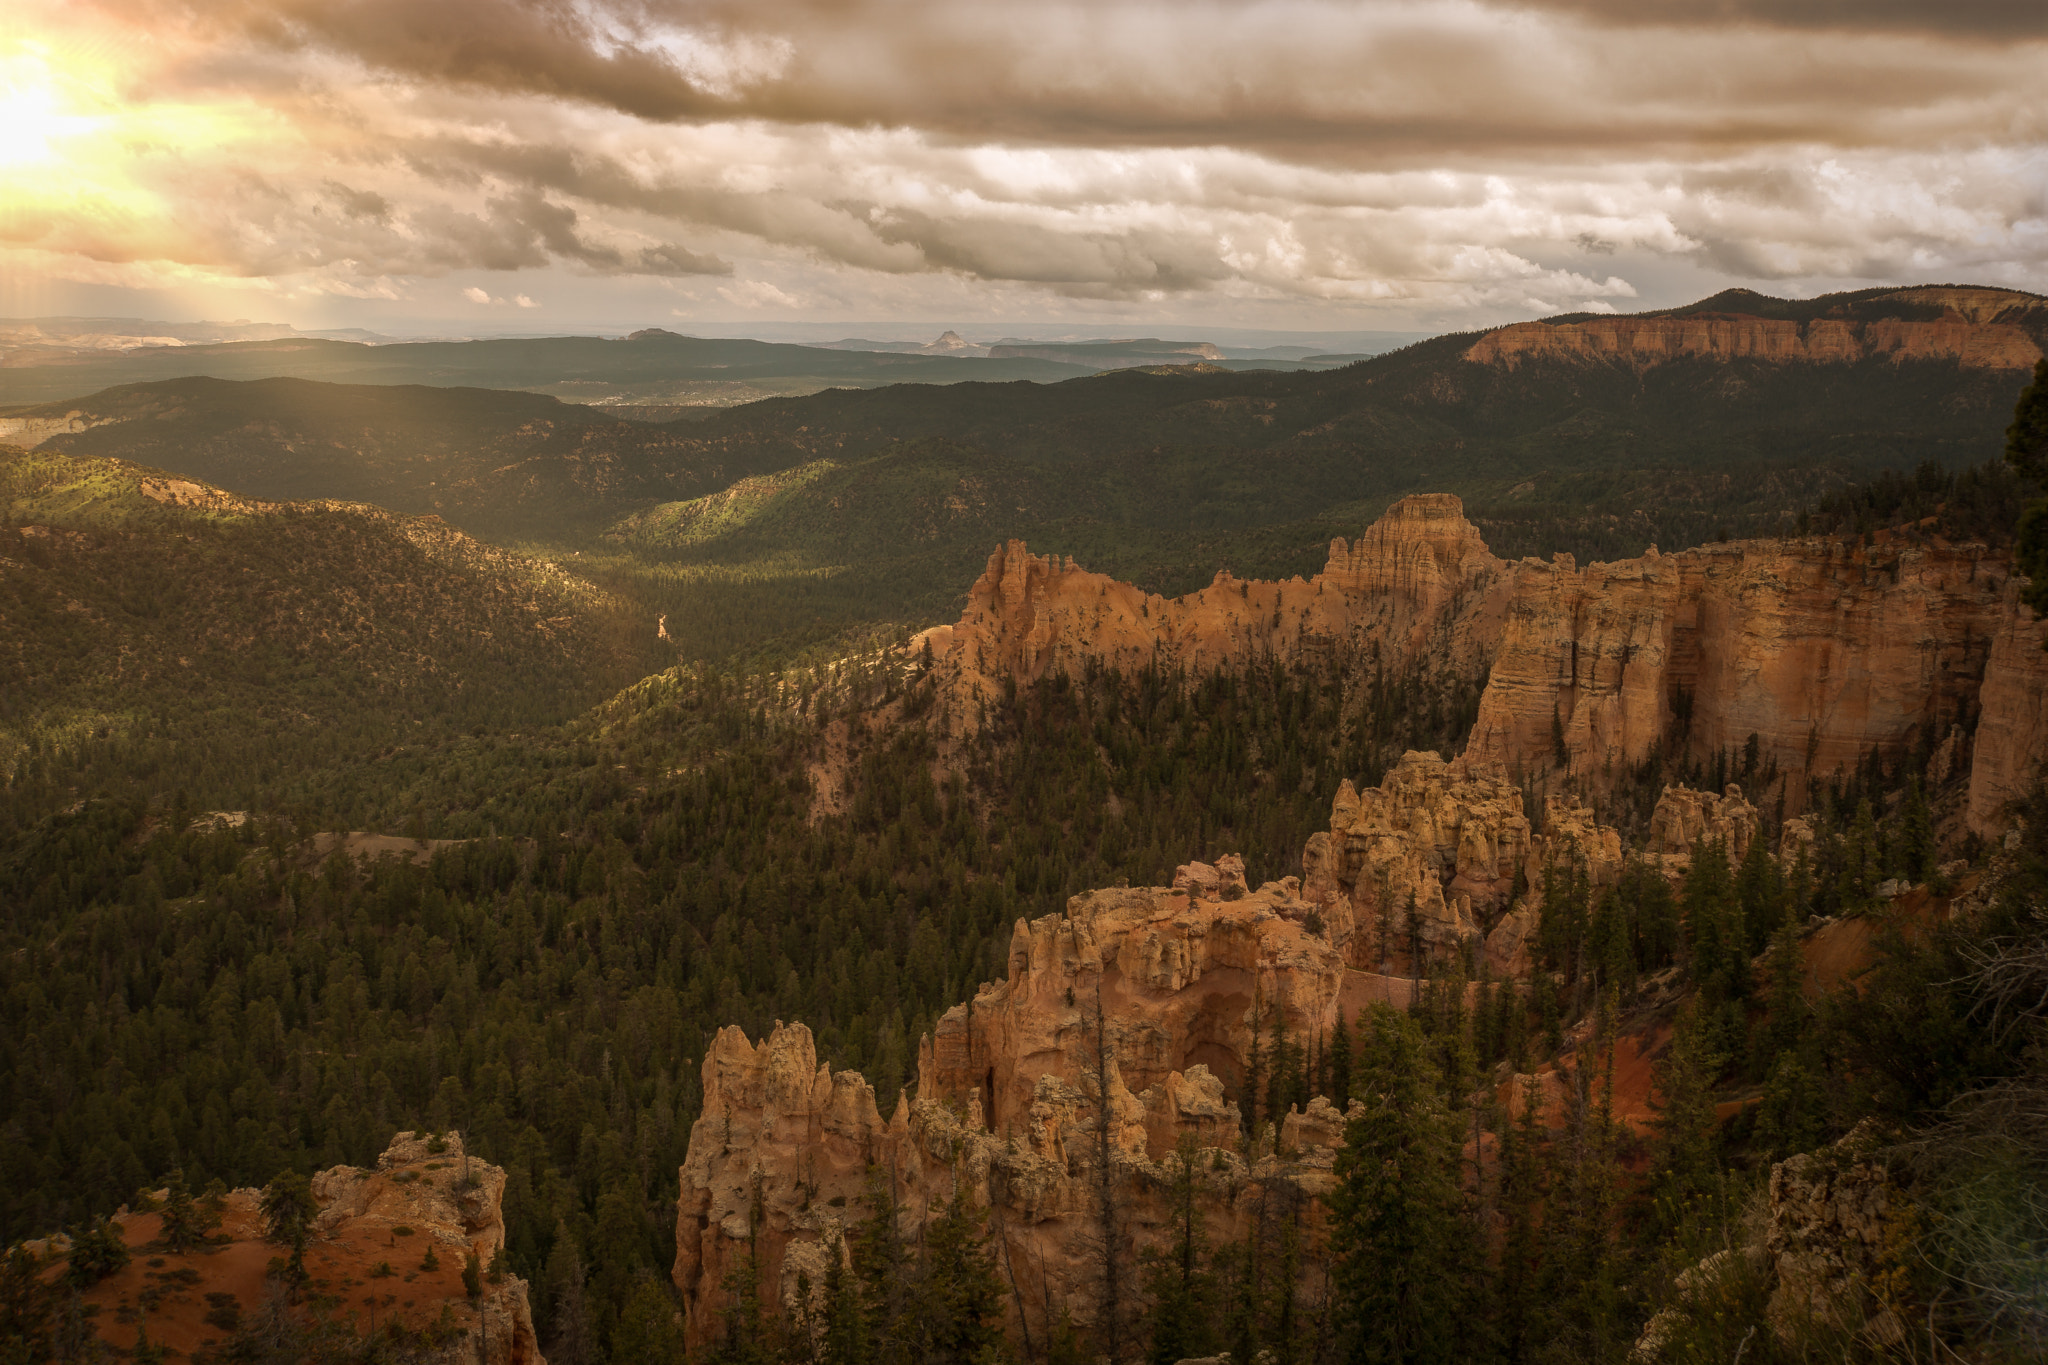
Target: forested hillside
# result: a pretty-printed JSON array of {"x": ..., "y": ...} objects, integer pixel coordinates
[
  {"x": 868, "y": 508},
  {"x": 320, "y": 822},
  {"x": 162, "y": 634}
]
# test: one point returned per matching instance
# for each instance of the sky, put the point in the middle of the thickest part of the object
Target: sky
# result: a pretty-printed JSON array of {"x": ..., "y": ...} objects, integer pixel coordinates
[{"x": 480, "y": 166}]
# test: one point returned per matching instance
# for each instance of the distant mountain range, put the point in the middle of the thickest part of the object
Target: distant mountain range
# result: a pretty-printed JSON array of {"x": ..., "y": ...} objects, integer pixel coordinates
[
  {"x": 43, "y": 359},
  {"x": 1597, "y": 435}
]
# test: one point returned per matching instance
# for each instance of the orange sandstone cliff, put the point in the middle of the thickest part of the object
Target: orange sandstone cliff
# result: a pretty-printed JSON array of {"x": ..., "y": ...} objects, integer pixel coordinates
[
  {"x": 1120, "y": 1040},
  {"x": 1976, "y": 328},
  {"x": 2012, "y": 732},
  {"x": 1419, "y": 589},
  {"x": 1058, "y": 1097},
  {"x": 1821, "y": 647}
]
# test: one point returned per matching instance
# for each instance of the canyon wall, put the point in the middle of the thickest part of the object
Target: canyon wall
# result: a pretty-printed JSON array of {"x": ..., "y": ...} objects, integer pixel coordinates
[
  {"x": 2012, "y": 731},
  {"x": 1823, "y": 648},
  {"x": 1978, "y": 329},
  {"x": 1418, "y": 590}
]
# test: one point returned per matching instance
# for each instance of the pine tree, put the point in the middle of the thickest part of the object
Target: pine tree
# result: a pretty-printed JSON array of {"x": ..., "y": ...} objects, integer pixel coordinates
[
  {"x": 571, "y": 1341},
  {"x": 96, "y": 1253},
  {"x": 650, "y": 1326},
  {"x": 1581, "y": 1270},
  {"x": 2026, "y": 450},
  {"x": 26, "y": 1308},
  {"x": 959, "y": 1301},
  {"x": 1404, "y": 1244},
  {"x": 845, "y": 1337},
  {"x": 1339, "y": 1053},
  {"x": 288, "y": 1209},
  {"x": 1760, "y": 892},
  {"x": 1178, "y": 1280},
  {"x": 881, "y": 1269},
  {"x": 1685, "y": 1164},
  {"x": 1790, "y": 1014},
  {"x": 1521, "y": 1204},
  {"x": 187, "y": 1222},
  {"x": 1916, "y": 843},
  {"x": 1793, "y": 1115}
]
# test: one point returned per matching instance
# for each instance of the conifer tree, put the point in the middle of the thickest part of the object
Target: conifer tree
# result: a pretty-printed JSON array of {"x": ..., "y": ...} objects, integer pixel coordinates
[
  {"x": 1405, "y": 1270},
  {"x": 2026, "y": 450},
  {"x": 571, "y": 1341},
  {"x": 1178, "y": 1280},
  {"x": 96, "y": 1253},
  {"x": 1521, "y": 1203},
  {"x": 1685, "y": 1163},
  {"x": 1339, "y": 1053},
  {"x": 1581, "y": 1296},
  {"x": 959, "y": 1317},
  {"x": 187, "y": 1222}
]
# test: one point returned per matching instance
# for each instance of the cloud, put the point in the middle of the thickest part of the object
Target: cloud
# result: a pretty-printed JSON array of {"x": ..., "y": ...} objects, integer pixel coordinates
[
  {"x": 476, "y": 295},
  {"x": 1453, "y": 153}
]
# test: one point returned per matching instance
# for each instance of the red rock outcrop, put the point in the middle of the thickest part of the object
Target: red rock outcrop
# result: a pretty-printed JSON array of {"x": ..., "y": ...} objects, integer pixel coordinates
[
  {"x": 2012, "y": 729},
  {"x": 1122, "y": 1028},
  {"x": 1429, "y": 860},
  {"x": 423, "y": 1194},
  {"x": 1980, "y": 329},
  {"x": 1686, "y": 819},
  {"x": 1820, "y": 648},
  {"x": 1420, "y": 585}
]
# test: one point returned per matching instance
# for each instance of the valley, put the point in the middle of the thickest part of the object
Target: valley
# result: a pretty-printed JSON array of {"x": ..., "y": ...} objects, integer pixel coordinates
[{"x": 1572, "y": 791}]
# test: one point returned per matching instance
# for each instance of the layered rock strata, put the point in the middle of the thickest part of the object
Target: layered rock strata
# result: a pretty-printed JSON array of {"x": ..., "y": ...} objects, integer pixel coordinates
[
  {"x": 1977, "y": 329},
  {"x": 2012, "y": 730},
  {"x": 1822, "y": 648},
  {"x": 1686, "y": 820},
  {"x": 1117, "y": 1040}
]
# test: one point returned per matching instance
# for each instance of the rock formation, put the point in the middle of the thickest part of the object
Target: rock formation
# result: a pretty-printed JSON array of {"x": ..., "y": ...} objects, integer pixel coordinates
[
  {"x": 1978, "y": 329},
  {"x": 1685, "y": 819},
  {"x": 1122, "y": 1030},
  {"x": 1419, "y": 588},
  {"x": 2012, "y": 730},
  {"x": 1822, "y": 648},
  {"x": 1421, "y": 859},
  {"x": 450, "y": 1201},
  {"x": 424, "y": 1194},
  {"x": 1832, "y": 1222}
]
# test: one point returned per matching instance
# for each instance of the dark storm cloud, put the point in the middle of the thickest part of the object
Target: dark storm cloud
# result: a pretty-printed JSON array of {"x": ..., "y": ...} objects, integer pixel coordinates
[
  {"x": 1318, "y": 82},
  {"x": 1451, "y": 150},
  {"x": 1963, "y": 19}
]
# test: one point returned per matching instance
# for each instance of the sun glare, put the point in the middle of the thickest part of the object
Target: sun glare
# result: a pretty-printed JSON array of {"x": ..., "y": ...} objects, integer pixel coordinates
[{"x": 34, "y": 120}]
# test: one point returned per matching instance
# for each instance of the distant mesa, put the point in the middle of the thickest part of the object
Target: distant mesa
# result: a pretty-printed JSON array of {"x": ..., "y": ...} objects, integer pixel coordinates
[
  {"x": 655, "y": 334},
  {"x": 1972, "y": 327}
]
